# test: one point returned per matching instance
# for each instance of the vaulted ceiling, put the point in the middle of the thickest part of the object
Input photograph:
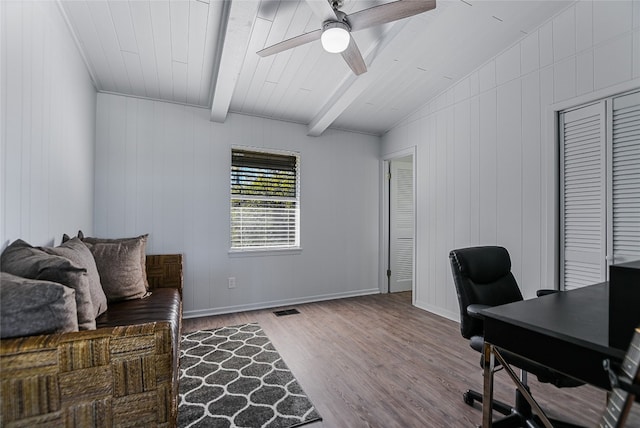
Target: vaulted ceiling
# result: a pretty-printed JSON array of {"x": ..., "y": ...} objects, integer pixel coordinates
[{"x": 203, "y": 53}]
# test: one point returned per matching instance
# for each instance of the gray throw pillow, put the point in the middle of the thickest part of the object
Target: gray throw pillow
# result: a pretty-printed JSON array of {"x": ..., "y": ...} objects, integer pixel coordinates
[
  {"x": 76, "y": 251},
  {"x": 118, "y": 263},
  {"x": 21, "y": 259},
  {"x": 142, "y": 239},
  {"x": 30, "y": 307}
]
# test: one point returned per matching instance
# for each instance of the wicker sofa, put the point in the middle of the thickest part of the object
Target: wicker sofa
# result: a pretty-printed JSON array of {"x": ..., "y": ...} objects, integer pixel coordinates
[{"x": 123, "y": 373}]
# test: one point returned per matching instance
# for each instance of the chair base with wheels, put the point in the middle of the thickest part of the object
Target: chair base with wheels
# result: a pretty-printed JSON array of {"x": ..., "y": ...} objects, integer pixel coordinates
[
  {"x": 520, "y": 415},
  {"x": 470, "y": 397}
]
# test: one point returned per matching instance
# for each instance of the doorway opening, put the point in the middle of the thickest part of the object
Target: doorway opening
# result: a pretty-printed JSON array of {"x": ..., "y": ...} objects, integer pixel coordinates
[{"x": 398, "y": 214}]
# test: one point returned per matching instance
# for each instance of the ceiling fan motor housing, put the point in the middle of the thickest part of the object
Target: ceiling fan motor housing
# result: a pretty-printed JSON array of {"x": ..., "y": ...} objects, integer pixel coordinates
[
  {"x": 336, "y": 24},
  {"x": 335, "y": 36}
]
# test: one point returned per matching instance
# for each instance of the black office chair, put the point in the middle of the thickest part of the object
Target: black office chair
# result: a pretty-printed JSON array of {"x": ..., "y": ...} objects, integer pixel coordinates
[{"x": 483, "y": 278}]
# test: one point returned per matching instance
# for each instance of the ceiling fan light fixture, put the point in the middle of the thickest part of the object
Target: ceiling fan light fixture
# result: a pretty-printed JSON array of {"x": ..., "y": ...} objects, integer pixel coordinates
[{"x": 335, "y": 36}]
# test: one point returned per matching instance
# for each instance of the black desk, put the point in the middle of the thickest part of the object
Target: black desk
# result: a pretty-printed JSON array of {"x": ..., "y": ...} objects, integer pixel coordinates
[{"x": 568, "y": 332}]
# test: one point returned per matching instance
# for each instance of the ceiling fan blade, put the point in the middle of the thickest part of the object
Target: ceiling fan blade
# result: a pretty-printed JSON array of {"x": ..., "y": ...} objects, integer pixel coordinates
[
  {"x": 388, "y": 12},
  {"x": 291, "y": 43},
  {"x": 322, "y": 9},
  {"x": 353, "y": 58}
]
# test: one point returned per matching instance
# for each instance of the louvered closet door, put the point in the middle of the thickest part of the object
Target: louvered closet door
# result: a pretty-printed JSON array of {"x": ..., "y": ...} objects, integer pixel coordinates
[
  {"x": 401, "y": 227},
  {"x": 583, "y": 191},
  {"x": 624, "y": 181}
]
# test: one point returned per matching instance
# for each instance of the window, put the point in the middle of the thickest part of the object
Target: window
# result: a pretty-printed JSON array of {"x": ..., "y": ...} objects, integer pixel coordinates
[
  {"x": 600, "y": 188},
  {"x": 265, "y": 200}
]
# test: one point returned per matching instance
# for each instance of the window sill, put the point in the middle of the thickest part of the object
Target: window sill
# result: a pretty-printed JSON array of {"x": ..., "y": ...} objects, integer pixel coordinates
[{"x": 259, "y": 252}]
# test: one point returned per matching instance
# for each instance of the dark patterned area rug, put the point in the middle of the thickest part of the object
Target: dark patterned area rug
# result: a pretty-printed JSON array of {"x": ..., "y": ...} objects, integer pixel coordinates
[{"x": 234, "y": 377}]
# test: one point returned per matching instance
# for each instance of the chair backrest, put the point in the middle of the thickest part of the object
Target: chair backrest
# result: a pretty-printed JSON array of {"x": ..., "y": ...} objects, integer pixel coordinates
[{"x": 482, "y": 275}]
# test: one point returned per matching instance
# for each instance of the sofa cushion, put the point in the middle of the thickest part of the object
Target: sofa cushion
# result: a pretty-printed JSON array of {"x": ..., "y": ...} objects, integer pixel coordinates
[
  {"x": 21, "y": 259},
  {"x": 31, "y": 307},
  {"x": 76, "y": 251},
  {"x": 118, "y": 263},
  {"x": 161, "y": 305}
]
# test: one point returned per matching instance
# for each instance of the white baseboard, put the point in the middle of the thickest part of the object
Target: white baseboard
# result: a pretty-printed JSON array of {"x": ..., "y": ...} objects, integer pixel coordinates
[
  {"x": 277, "y": 303},
  {"x": 453, "y": 316}
]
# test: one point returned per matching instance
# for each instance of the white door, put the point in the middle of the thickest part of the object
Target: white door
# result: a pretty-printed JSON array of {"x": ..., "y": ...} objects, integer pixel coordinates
[
  {"x": 401, "y": 224},
  {"x": 583, "y": 190},
  {"x": 600, "y": 188},
  {"x": 624, "y": 180}
]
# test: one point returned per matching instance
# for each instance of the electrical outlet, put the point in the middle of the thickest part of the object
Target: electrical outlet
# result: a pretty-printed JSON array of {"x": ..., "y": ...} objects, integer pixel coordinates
[{"x": 232, "y": 282}]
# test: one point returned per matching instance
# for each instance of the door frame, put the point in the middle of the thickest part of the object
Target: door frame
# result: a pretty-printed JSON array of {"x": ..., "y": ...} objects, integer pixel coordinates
[{"x": 384, "y": 218}]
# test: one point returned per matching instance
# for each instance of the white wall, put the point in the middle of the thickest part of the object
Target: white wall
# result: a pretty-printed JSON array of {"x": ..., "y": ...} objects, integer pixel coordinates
[
  {"x": 486, "y": 153},
  {"x": 164, "y": 169},
  {"x": 48, "y": 127}
]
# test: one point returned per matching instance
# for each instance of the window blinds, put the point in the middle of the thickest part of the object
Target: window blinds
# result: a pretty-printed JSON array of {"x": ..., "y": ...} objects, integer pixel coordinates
[
  {"x": 264, "y": 200},
  {"x": 263, "y": 174}
]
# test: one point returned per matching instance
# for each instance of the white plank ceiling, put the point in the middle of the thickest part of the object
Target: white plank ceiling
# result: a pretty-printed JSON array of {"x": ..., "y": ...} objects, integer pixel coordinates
[{"x": 203, "y": 53}]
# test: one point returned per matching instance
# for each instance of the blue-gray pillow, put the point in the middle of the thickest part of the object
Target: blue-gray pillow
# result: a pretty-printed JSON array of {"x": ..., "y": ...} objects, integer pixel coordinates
[
  {"x": 30, "y": 307},
  {"x": 121, "y": 275},
  {"x": 76, "y": 251},
  {"x": 21, "y": 259},
  {"x": 137, "y": 242}
]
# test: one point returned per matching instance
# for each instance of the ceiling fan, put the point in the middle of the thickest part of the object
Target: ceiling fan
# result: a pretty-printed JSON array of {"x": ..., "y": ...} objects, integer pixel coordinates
[{"x": 337, "y": 27}]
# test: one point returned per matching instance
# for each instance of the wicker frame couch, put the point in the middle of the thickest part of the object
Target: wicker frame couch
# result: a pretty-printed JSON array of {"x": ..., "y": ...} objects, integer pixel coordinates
[{"x": 116, "y": 375}]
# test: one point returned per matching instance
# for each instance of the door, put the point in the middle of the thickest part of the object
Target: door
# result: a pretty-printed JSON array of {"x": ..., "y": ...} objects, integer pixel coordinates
[
  {"x": 600, "y": 188},
  {"x": 623, "y": 231},
  {"x": 401, "y": 219},
  {"x": 583, "y": 186}
]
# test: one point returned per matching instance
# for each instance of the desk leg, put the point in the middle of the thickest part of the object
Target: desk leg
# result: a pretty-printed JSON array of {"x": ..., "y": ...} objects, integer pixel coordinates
[
  {"x": 522, "y": 388},
  {"x": 487, "y": 395}
]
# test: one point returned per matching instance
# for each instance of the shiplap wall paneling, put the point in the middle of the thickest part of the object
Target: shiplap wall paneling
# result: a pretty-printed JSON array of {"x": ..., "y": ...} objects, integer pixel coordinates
[
  {"x": 443, "y": 215},
  {"x": 531, "y": 179},
  {"x": 421, "y": 176},
  {"x": 509, "y": 172},
  {"x": 48, "y": 121},
  {"x": 488, "y": 168},
  {"x": 422, "y": 245},
  {"x": 474, "y": 171},
  {"x": 613, "y": 40},
  {"x": 450, "y": 295},
  {"x": 11, "y": 97},
  {"x": 462, "y": 179},
  {"x": 584, "y": 51},
  {"x": 163, "y": 169},
  {"x": 549, "y": 184},
  {"x": 434, "y": 206}
]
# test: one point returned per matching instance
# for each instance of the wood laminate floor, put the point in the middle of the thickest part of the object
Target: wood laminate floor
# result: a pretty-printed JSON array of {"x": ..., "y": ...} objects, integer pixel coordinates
[{"x": 377, "y": 361}]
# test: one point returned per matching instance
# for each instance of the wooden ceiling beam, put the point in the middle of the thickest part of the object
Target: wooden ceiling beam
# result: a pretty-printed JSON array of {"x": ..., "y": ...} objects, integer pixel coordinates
[
  {"x": 353, "y": 86},
  {"x": 236, "y": 25}
]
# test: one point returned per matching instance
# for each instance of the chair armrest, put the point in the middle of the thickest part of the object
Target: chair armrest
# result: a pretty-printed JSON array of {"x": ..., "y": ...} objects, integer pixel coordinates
[
  {"x": 546, "y": 291},
  {"x": 165, "y": 271},
  {"x": 474, "y": 310}
]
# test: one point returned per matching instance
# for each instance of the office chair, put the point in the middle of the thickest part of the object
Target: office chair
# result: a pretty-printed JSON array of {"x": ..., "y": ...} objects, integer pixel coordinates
[{"x": 483, "y": 278}]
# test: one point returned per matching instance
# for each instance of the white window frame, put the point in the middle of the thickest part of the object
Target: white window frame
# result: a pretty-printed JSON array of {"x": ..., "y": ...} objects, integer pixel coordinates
[{"x": 275, "y": 249}]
